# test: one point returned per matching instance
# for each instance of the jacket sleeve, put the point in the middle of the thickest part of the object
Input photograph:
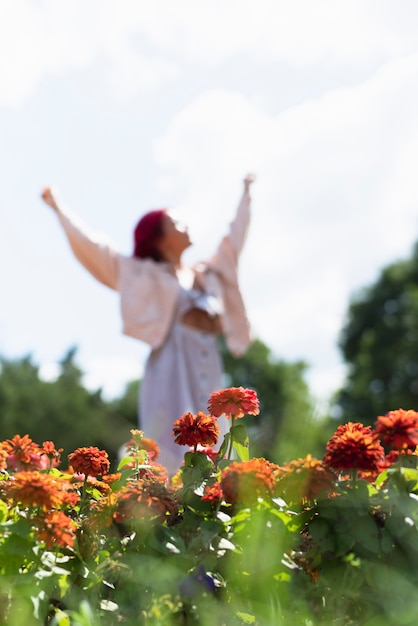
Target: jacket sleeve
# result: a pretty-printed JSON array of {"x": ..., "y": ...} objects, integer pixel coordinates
[
  {"x": 225, "y": 260},
  {"x": 239, "y": 226},
  {"x": 94, "y": 251}
]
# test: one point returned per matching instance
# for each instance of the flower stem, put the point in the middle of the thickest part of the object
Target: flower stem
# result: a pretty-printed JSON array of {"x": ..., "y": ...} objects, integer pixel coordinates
[{"x": 231, "y": 439}]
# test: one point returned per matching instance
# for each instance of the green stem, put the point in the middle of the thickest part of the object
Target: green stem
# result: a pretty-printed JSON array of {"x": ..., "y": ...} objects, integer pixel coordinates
[{"x": 231, "y": 439}]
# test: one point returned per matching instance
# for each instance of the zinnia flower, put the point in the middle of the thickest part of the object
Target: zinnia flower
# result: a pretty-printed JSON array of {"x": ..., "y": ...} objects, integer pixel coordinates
[
  {"x": 54, "y": 455},
  {"x": 23, "y": 453},
  {"x": 193, "y": 430},
  {"x": 354, "y": 446},
  {"x": 234, "y": 401},
  {"x": 144, "y": 500},
  {"x": 56, "y": 528},
  {"x": 304, "y": 480},
  {"x": 245, "y": 482},
  {"x": 398, "y": 429},
  {"x": 210, "y": 453},
  {"x": 33, "y": 488},
  {"x": 89, "y": 461},
  {"x": 213, "y": 493}
]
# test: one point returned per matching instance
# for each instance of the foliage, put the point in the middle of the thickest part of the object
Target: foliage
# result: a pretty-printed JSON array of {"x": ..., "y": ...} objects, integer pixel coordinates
[
  {"x": 379, "y": 343},
  {"x": 287, "y": 405},
  {"x": 72, "y": 416},
  {"x": 62, "y": 411},
  {"x": 312, "y": 542}
]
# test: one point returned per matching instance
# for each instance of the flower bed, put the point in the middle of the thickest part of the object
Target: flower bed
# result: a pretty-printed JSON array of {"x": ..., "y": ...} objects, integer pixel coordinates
[{"x": 316, "y": 541}]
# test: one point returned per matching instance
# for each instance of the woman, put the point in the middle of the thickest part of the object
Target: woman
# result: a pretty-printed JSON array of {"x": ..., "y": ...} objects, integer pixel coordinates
[{"x": 177, "y": 310}]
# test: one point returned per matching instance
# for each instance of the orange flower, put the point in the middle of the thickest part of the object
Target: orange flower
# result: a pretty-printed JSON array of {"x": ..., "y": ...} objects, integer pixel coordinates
[
  {"x": 3, "y": 457},
  {"x": 56, "y": 528},
  {"x": 398, "y": 429},
  {"x": 245, "y": 482},
  {"x": 89, "y": 461},
  {"x": 192, "y": 430},
  {"x": 234, "y": 401},
  {"x": 304, "y": 480},
  {"x": 213, "y": 493},
  {"x": 406, "y": 457},
  {"x": 23, "y": 453},
  {"x": 144, "y": 500},
  {"x": 33, "y": 488},
  {"x": 354, "y": 446},
  {"x": 54, "y": 455}
]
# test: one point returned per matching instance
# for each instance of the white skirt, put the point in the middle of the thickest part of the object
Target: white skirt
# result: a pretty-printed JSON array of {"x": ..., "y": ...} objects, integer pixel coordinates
[{"x": 179, "y": 377}]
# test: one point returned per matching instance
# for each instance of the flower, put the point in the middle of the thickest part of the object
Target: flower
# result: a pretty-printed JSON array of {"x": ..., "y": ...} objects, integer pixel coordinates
[
  {"x": 3, "y": 457},
  {"x": 56, "y": 528},
  {"x": 213, "y": 493},
  {"x": 244, "y": 482},
  {"x": 144, "y": 500},
  {"x": 398, "y": 429},
  {"x": 210, "y": 453},
  {"x": 33, "y": 488},
  {"x": 89, "y": 461},
  {"x": 354, "y": 446},
  {"x": 234, "y": 401},
  {"x": 192, "y": 430},
  {"x": 23, "y": 453},
  {"x": 54, "y": 455},
  {"x": 305, "y": 479}
]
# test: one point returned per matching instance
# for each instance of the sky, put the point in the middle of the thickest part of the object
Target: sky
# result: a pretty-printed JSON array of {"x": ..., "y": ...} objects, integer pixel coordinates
[{"x": 124, "y": 106}]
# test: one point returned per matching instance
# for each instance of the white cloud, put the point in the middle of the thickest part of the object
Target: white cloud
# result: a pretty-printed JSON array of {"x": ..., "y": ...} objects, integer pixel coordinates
[{"x": 142, "y": 45}]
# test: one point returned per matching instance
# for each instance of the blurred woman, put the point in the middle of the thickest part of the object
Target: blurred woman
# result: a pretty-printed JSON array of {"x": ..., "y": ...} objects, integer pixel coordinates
[{"x": 179, "y": 311}]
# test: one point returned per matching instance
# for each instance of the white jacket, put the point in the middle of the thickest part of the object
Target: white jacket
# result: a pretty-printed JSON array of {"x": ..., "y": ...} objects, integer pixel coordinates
[{"x": 148, "y": 290}]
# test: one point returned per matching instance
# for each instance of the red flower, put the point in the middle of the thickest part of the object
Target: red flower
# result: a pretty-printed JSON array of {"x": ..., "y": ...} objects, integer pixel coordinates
[
  {"x": 398, "y": 429},
  {"x": 210, "y": 453},
  {"x": 234, "y": 401},
  {"x": 193, "y": 430},
  {"x": 354, "y": 446},
  {"x": 89, "y": 461},
  {"x": 304, "y": 480},
  {"x": 213, "y": 493},
  {"x": 245, "y": 482}
]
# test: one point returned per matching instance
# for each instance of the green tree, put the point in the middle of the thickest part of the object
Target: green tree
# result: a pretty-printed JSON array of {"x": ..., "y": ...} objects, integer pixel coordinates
[
  {"x": 379, "y": 343},
  {"x": 62, "y": 411},
  {"x": 287, "y": 426}
]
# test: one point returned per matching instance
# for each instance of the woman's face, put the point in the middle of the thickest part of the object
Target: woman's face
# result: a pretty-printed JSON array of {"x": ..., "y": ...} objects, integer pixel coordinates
[{"x": 175, "y": 238}]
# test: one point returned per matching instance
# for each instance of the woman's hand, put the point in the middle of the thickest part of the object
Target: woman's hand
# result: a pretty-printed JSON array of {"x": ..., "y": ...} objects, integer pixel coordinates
[
  {"x": 49, "y": 198},
  {"x": 248, "y": 181}
]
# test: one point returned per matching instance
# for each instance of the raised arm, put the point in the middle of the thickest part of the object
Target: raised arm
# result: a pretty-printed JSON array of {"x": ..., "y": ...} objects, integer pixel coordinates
[
  {"x": 239, "y": 225},
  {"x": 96, "y": 254}
]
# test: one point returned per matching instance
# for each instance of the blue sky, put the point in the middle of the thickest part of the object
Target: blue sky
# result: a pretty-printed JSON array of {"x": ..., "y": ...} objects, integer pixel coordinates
[{"x": 125, "y": 106}]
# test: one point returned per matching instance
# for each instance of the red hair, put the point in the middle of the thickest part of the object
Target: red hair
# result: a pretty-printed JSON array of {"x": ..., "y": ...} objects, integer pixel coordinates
[{"x": 147, "y": 234}]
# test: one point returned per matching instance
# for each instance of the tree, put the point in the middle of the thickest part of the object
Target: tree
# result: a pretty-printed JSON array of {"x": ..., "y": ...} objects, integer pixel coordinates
[
  {"x": 287, "y": 426},
  {"x": 379, "y": 343},
  {"x": 62, "y": 411}
]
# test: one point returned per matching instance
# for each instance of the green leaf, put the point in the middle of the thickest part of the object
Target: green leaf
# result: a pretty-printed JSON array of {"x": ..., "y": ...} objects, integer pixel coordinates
[
  {"x": 224, "y": 447},
  {"x": 243, "y": 452},
  {"x": 240, "y": 434}
]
